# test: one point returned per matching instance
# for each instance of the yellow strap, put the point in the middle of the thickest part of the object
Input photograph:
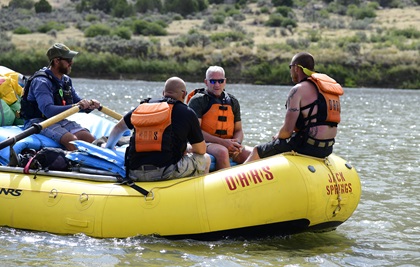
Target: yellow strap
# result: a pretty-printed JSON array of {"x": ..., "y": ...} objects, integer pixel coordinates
[{"x": 306, "y": 71}]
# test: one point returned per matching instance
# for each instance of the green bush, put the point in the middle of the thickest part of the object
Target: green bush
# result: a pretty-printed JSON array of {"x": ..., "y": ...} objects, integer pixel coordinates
[
  {"x": 146, "y": 28},
  {"x": 284, "y": 11},
  {"x": 410, "y": 32},
  {"x": 22, "y": 30},
  {"x": 360, "y": 12},
  {"x": 227, "y": 36},
  {"x": 275, "y": 20},
  {"x": 25, "y": 4},
  {"x": 289, "y": 23},
  {"x": 91, "y": 18},
  {"x": 285, "y": 3},
  {"x": 51, "y": 25},
  {"x": 121, "y": 9},
  {"x": 190, "y": 39},
  {"x": 122, "y": 32},
  {"x": 117, "y": 46},
  {"x": 185, "y": 7},
  {"x": 143, "y": 6},
  {"x": 97, "y": 30},
  {"x": 43, "y": 7}
]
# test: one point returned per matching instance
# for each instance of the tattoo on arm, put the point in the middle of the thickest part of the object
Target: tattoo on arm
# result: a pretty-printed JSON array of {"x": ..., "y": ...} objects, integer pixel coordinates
[{"x": 292, "y": 93}]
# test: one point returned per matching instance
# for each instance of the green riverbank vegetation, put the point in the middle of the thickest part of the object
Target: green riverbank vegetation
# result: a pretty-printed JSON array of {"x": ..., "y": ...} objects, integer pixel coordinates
[{"x": 359, "y": 43}]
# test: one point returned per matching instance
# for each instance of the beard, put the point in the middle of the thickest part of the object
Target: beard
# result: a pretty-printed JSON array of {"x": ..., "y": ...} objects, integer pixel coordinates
[{"x": 63, "y": 69}]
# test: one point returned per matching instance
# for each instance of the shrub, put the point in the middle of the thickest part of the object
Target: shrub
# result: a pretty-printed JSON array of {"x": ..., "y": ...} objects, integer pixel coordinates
[
  {"x": 118, "y": 46},
  {"x": 122, "y": 32},
  {"x": 185, "y": 7},
  {"x": 227, "y": 36},
  {"x": 289, "y": 23},
  {"x": 410, "y": 32},
  {"x": 143, "y": 27},
  {"x": 337, "y": 8},
  {"x": 51, "y": 25},
  {"x": 284, "y": 11},
  {"x": 22, "y": 30},
  {"x": 91, "y": 18},
  {"x": 43, "y": 7},
  {"x": 97, "y": 30},
  {"x": 121, "y": 9},
  {"x": 360, "y": 12},
  {"x": 143, "y": 6},
  {"x": 6, "y": 44},
  {"x": 314, "y": 35},
  {"x": 286, "y": 3},
  {"x": 191, "y": 39},
  {"x": 299, "y": 43},
  {"x": 332, "y": 24},
  {"x": 361, "y": 24},
  {"x": 25, "y": 4},
  {"x": 275, "y": 20}
]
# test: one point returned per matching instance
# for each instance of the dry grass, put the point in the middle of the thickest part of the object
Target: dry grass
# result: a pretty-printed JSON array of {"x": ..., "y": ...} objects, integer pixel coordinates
[
  {"x": 27, "y": 41},
  {"x": 399, "y": 18},
  {"x": 386, "y": 19}
]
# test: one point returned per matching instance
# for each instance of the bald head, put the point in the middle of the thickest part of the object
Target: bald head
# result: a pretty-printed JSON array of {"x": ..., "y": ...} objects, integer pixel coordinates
[
  {"x": 175, "y": 88},
  {"x": 305, "y": 60}
]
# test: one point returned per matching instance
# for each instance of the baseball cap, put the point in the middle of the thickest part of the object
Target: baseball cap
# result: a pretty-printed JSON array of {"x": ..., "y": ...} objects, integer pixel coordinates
[{"x": 60, "y": 50}]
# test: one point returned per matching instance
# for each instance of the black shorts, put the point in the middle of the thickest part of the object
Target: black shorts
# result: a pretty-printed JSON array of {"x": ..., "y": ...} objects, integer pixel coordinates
[
  {"x": 297, "y": 144},
  {"x": 273, "y": 148}
]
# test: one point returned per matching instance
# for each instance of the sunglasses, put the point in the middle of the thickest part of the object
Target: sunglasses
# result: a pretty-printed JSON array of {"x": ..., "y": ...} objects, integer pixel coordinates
[
  {"x": 69, "y": 60},
  {"x": 291, "y": 65},
  {"x": 220, "y": 81}
]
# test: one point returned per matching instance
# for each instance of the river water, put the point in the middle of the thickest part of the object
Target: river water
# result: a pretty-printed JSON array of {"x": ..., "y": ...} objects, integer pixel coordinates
[{"x": 379, "y": 135}]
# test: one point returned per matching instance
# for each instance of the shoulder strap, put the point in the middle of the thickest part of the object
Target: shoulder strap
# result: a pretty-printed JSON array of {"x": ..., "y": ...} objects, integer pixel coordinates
[
  {"x": 194, "y": 92},
  {"x": 40, "y": 73}
]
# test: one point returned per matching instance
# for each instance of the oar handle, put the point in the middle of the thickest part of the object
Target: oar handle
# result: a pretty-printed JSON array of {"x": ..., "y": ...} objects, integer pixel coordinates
[
  {"x": 37, "y": 127},
  {"x": 110, "y": 112},
  {"x": 59, "y": 117}
]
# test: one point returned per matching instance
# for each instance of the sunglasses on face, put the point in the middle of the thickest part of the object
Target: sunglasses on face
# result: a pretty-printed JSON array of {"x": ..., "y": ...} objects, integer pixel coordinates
[
  {"x": 69, "y": 60},
  {"x": 220, "y": 81}
]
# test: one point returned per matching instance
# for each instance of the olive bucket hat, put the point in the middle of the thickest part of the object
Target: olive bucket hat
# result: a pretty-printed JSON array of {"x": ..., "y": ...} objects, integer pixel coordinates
[{"x": 60, "y": 50}]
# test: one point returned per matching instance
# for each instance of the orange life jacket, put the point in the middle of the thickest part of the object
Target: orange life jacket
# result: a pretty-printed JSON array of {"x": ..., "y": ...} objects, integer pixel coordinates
[
  {"x": 150, "y": 120},
  {"x": 328, "y": 103},
  {"x": 218, "y": 120}
]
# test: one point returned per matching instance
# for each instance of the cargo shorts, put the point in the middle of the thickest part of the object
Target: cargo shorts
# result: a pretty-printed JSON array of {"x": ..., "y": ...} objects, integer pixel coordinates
[{"x": 190, "y": 164}]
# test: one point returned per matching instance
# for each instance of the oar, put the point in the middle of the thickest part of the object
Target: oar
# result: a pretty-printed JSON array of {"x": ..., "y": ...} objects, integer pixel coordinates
[
  {"x": 37, "y": 127},
  {"x": 110, "y": 113}
]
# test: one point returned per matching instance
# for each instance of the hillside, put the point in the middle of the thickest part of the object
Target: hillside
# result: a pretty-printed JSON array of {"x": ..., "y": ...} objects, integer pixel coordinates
[
  {"x": 340, "y": 49},
  {"x": 386, "y": 19}
]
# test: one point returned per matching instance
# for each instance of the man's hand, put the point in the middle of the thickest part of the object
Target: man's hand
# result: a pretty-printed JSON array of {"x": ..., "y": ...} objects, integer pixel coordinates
[
  {"x": 94, "y": 104},
  {"x": 89, "y": 104},
  {"x": 233, "y": 145}
]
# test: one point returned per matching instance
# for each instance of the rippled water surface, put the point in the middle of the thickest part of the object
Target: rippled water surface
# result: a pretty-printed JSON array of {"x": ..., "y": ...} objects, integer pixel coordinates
[{"x": 379, "y": 135}]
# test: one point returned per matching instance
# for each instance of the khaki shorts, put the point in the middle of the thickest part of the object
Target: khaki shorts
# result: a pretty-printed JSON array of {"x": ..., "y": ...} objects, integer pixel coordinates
[{"x": 189, "y": 165}]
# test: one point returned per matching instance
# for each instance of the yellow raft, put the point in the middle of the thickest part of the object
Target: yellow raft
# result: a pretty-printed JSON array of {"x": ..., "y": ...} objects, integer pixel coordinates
[{"x": 280, "y": 195}]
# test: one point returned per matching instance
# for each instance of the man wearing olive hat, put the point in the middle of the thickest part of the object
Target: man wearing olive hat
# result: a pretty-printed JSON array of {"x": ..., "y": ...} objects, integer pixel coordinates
[{"x": 49, "y": 92}]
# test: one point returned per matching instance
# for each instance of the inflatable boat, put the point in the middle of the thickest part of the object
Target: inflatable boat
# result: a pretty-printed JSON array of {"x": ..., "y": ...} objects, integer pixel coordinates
[{"x": 280, "y": 195}]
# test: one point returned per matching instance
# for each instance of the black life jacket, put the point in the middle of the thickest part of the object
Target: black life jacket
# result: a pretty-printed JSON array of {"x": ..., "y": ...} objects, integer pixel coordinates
[
  {"x": 328, "y": 103},
  {"x": 152, "y": 140},
  {"x": 62, "y": 96}
]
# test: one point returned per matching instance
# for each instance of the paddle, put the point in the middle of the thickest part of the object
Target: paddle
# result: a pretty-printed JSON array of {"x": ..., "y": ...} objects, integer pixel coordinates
[
  {"x": 37, "y": 127},
  {"x": 110, "y": 112}
]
